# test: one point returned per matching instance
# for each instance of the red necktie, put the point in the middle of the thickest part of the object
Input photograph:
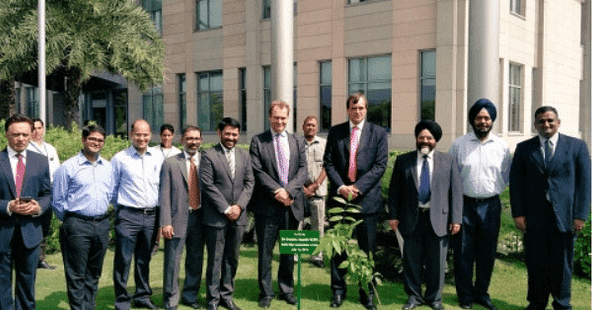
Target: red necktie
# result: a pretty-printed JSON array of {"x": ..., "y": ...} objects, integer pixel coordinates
[
  {"x": 20, "y": 174},
  {"x": 353, "y": 154},
  {"x": 193, "y": 185}
]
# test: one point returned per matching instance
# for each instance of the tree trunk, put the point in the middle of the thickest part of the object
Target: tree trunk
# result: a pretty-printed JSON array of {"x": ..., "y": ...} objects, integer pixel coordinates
[
  {"x": 7, "y": 98},
  {"x": 73, "y": 86}
]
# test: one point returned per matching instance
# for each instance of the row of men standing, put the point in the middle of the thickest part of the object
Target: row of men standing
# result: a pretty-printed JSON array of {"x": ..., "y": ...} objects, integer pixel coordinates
[{"x": 425, "y": 202}]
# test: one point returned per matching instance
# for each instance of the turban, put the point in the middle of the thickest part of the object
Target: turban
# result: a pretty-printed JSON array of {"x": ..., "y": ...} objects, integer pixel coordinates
[
  {"x": 431, "y": 126},
  {"x": 480, "y": 105}
]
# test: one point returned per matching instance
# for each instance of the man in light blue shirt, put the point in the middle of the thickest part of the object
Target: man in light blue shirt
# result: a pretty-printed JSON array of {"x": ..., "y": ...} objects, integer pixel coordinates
[
  {"x": 82, "y": 190},
  {"x": 136, "y": 172},
  {"x": 484, "y": 162}
]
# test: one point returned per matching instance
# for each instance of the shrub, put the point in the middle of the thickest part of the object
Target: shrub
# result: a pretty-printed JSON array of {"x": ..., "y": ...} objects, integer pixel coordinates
[{"x": 583, "y": 251}]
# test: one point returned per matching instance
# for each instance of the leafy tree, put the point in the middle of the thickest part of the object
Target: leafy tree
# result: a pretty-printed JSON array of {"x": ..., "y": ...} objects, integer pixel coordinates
[
  {"x": 7, "y": 98},
  {"x": 82, "y": 37}
]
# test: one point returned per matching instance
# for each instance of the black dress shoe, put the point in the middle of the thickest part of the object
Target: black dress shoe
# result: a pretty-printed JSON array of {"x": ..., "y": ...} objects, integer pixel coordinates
[
  {"x": 193, "y": 305},
  {"x": 487, "y": 304},
  {"x": 145, "y": 304},
  {"x": 411, "y": 304},
  {"x": 265, "y": 302},
  {"x": 337, "y": 301},
  {"x": 229, "y": 305},
  {"x": 212, "y": 307},
  {"x": 44, "y": 265},
  {"x": 318, "y": 263},
  {"x": 367, "y": 300},
  {"x": 289, "y": 298},
  {"x": 437, "y": 306},
  {"x": 465, "y": 306}
]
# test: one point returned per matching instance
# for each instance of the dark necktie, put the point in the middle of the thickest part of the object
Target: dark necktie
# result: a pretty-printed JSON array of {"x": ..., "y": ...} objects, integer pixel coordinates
[
  {"x": 548, "y": 153},
  {"x": 193, "y": 185},
  {"x": 20, "y": 174},
  {"x": 424, "y": 186}
]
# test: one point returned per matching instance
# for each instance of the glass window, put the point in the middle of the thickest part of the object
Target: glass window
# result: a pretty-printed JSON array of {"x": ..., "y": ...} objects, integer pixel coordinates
[
  {"x": 517, "y": 7},
  {"x": 428, "y": 85},
  {"x": 209, "y": 14},
  {"x": 372, "y": 77},
  {"x": 266, "y": 9},
  {"x": 209, "y": 99},
  {"x": 515, "y": 100},
  {"x": 154, "y": 8},
  {"x": 182, "y": 98},
  {"x": 267, "y": 96},
  {"x": 32, "y": 94},
  {"x": 243, "y": 97},
  {"x": 355, "y": 1},
  {"x": 152, "y": 103},
  {"x": 325, "y": 86}
]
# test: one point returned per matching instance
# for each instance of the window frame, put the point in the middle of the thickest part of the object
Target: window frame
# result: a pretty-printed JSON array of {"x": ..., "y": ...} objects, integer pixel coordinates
[
  {"x": 423, "y": 78},
  {"x": 209, "y": 15},
  {"x": 323, "y": 87},
  {"x": 515, "y": 88},
  {"x": 212, "y": 120}
]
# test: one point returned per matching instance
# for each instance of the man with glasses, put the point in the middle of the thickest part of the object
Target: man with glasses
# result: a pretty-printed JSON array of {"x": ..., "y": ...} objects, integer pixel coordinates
[{"x": 82, "y": 190}]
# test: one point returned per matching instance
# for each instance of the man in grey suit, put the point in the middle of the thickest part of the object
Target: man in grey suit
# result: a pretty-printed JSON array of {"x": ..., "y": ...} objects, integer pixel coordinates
[
  {"x": 180, "y": 221},
  {"x": 425, "y": 204},
  {"x": 279, "y": 165},
  {"x": 227, "y": 184}
]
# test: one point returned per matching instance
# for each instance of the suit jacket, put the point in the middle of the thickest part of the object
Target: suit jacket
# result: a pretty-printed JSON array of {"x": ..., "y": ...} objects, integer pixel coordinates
[
  {"x": 174, "y": 194},
  {"x": 371, "y": 163},
  {"x": 446, "y": 199},
  {"x": 267, "y": 178},
  {"x": 36, "y": 184},
  {"x": 220, "y": 190},
  {"x": 567, "y": 181}
]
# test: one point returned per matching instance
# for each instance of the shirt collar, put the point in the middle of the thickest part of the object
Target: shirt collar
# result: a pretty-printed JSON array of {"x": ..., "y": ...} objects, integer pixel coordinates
[
  {"x": 133, "y": 151},
  {"x": 473, "y": 137},
  {"x": 12, "y": 152},
  {"x": 315, "y": 139},
  {"x": 430, "y": 154},
  {"x": 273, "y": 133},
  {"x": 226, "y": 150},
  {"x": 83, "y": 160},
  {"x": 360, "y": 125},
  {"x": 187, "y": 156},
  {"x": 553, "y": 139}
]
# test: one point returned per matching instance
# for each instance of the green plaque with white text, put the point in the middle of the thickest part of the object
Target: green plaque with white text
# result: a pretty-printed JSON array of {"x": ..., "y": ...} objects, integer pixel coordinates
[{"x": 298, "y": 241}]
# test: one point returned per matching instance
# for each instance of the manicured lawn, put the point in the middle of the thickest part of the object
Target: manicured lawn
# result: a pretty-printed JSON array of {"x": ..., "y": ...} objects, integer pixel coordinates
[{"x": 508, "y": 289}]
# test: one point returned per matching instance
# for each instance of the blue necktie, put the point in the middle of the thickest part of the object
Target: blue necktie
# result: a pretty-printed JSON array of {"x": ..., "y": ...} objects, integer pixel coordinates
[{"x": 424, "y": 186}]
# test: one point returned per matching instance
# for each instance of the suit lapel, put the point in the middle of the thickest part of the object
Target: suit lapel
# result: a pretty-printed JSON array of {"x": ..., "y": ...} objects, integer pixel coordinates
[
  {"x": 364, "y": 137},
  {"x": 7, "y": 170},
  {"x": 271, "y": 152},
  {"x": 412, "y": 165},
  {"x": 224, "y": 161},
  {"x": 183, "y": 166},
  {"x": 294, "y": 157},
  {"x": 560, "y": 152},
  {"x": 537, "y": 153}
]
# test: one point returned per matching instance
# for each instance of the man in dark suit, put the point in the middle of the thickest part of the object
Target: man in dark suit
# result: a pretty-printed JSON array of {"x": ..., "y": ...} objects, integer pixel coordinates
[
  {"x": 355, "y": 160},
  {"x": 227, "y": 184},
  {"x": 180, "y": 220},
  {"x": 279, "y": 166},
  {"x": 550, "y": 197},
  {"x": 25, "y": 194},
  {"x": 425, "y": 204}
]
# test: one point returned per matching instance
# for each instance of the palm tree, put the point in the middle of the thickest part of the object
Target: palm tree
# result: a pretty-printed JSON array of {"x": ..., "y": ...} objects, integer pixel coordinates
[{"x": 83, "y": 36}]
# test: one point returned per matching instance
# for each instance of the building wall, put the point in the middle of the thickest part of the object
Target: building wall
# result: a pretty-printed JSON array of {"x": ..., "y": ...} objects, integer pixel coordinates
[{"x": 545, "y": 41}]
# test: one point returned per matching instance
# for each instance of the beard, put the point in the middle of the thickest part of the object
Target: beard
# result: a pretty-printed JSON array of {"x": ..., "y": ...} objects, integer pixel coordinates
[{"x": 482, "y": 132}]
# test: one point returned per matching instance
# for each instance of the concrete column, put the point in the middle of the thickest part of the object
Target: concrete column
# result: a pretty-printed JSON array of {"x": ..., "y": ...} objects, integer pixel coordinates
[
  {"x": 282, "y": 54},
  {"x": 484, "y": 29},
  {"x": 586, "y": 90}
]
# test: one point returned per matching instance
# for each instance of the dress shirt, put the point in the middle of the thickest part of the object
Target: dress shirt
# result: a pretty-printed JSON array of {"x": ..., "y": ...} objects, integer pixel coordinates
[
  {"x": 83, "y": 187},
  {"x": 166, "y": 153},
  {"x": 137, "y": 177},
  {"x": 484, "y": 166},
  {"x": 314, "y": 159},
  {"x": 418, "y": 167},
  {"x": 48, "y": 151},
  {"x": 13, "y": 157},
  {"x": 196, "y": 157},
  {"x": 553, "y": 139},
  {"x": 233, "y": 155},
  {"x": 285, "y": 146}
]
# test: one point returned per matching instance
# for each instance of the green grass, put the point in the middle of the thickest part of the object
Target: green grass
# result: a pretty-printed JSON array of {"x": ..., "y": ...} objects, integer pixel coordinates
[{"x": 508, "y": 288}]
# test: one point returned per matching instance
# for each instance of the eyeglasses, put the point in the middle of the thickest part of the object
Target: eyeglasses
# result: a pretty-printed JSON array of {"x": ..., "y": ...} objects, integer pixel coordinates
[{"x": 91, "y": 139}]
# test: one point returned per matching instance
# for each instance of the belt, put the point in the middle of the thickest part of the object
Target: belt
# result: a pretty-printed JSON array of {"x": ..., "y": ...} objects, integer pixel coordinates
[
  {"x": 424, "y": 210},
  {"x": 91, "y": 218},
  {"x": 191, "y": 210},
  {"x": 471, "y": 199},
  {"x": 145, "y": 211}
]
